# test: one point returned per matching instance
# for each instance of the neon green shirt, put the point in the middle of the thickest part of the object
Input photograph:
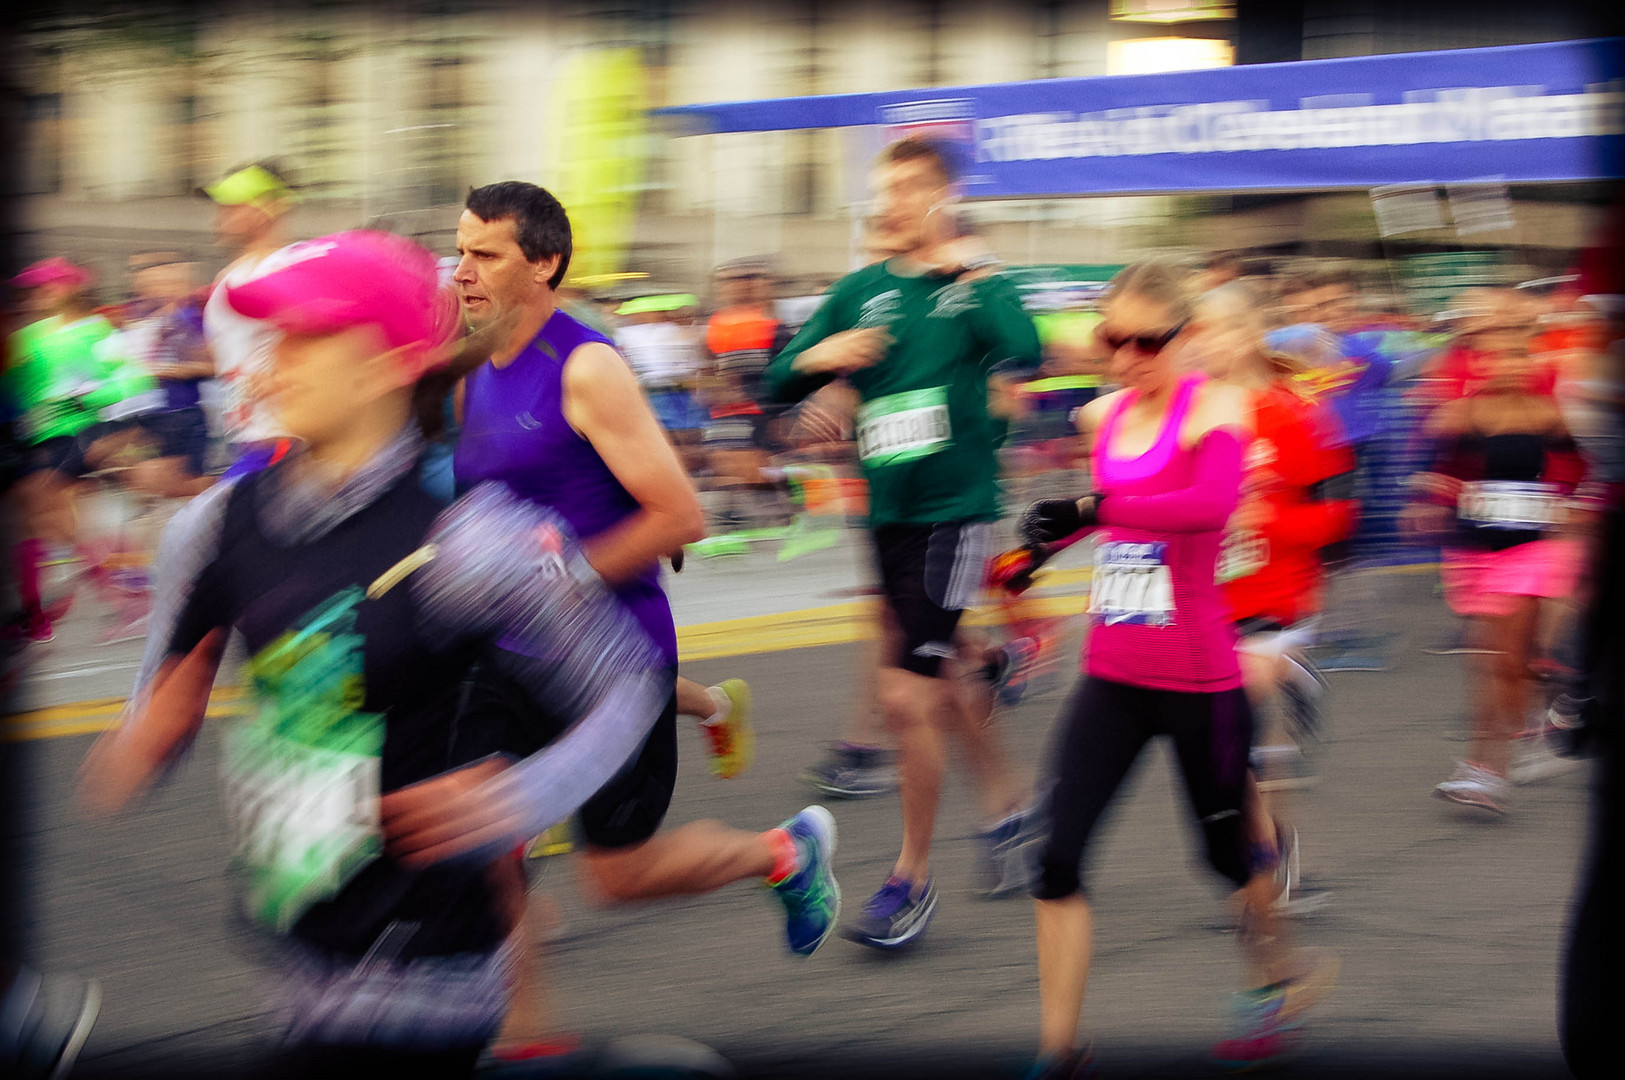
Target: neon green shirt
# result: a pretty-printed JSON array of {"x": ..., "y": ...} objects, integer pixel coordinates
[{"x": 61, "y": 381}]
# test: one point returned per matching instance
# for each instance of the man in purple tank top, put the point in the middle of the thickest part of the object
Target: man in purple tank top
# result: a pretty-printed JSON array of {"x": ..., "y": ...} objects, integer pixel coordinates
[{"x": 557, "y": 415}]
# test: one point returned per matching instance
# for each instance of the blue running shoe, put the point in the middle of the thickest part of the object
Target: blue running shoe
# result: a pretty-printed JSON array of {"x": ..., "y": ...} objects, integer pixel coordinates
[
  {"x": 1009, "y": 853},
  {"x": 811, "y": 896},
  {"x": 894, "y": 916},
  {"x": 1013, "y": 669},
  {"x": 1077, "y": 1064}
]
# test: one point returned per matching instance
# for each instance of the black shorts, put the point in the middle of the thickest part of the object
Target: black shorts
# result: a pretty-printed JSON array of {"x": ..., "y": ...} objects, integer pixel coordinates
[
  {"x": 730, "y": 433},
  {"x": 929, "y": 575},
  {"x": 66, "y": 453},
  {"x": 60, "y": 453},
  {"x": 181, "y": 433},
  {"x": 496, "y": 717},
  {"x": 1257, "y": 624},
  {"x": 1102, "y": 731}
]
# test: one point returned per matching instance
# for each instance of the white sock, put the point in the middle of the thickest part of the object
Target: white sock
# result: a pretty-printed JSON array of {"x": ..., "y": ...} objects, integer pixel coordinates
[{"x": 723, "y": 703}]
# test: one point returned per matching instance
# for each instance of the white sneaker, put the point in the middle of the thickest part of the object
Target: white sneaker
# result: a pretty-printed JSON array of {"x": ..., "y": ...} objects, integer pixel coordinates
[
  {"x": 1475, "y": 786},
  {"x": 1533, "y": 759}
]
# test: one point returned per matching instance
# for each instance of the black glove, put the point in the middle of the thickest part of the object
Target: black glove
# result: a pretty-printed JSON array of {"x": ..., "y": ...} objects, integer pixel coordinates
[{"x": 1056, "y": 519}]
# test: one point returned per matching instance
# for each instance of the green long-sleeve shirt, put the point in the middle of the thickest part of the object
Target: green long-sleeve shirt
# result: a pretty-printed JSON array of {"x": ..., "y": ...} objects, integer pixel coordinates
[{"x": 927, "y": 444}]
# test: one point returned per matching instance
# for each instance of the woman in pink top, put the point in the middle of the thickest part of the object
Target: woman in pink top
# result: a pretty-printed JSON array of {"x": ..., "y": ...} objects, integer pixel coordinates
[{"x": 1161, "y": 657}]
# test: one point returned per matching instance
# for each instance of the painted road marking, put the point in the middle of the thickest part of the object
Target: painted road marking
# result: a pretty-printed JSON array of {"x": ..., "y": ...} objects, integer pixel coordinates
[{"x": 810, "y": 628}]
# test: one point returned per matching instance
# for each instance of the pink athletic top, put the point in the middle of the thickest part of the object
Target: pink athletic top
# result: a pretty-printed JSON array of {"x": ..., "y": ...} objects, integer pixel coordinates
[{"x": 1157, "y": 619}]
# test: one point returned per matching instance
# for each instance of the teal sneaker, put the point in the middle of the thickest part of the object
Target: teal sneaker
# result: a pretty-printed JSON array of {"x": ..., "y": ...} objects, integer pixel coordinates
[{"x": 811, "y": 896}]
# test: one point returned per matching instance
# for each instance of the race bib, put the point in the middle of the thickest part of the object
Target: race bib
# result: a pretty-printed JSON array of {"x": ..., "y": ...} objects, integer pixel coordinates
[
  {"x": 1508, "y": 504},
  {"x": 903, "y": 427},
  {"x": 304, "y": 818},
  {"x": 1132, "y": 584},
  {"x": 1242, "y": 554},
  {"x": 301, "y": 773}
]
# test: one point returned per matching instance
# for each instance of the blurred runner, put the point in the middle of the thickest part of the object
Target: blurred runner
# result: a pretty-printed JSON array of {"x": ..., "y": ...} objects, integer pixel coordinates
[
  {"x": 556, "y": 415},
  {"x": 1498, "y": 492},
  {"x": 1167, "y": 454},
  {"x": 250, "y": 204},
  {"x": 369, "y": 853},
  {"x": 75, "y": 399},
  {"x": 917, "y": 337},
  {"x": 739, "y": 438},
  {"x": 164, "y": 333},
  {"x": 1361, "y": 383},
  {"x": 1296, "y": 500},
  {"x": 664, "y": 355}
]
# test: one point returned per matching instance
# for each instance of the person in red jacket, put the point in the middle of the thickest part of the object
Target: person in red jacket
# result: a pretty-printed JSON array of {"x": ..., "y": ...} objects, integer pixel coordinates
[{"x": 1296, "y": 501}]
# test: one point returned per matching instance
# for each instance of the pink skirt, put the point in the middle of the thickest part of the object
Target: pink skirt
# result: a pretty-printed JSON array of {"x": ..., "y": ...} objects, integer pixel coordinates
[{"x": 1490, "y": 582}]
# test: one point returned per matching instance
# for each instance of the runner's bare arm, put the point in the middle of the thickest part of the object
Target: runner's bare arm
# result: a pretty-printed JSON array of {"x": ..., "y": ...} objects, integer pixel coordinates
[
  {"x": 171, "y": 690},
  {"x": 603, "y": 403},
  {"x": 124, "y": 762},
  {"x": 1217, "y": 405}
]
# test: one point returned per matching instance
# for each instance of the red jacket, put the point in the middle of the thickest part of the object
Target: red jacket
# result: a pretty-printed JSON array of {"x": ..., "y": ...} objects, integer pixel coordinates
[{"x": 1275, "y": 573}]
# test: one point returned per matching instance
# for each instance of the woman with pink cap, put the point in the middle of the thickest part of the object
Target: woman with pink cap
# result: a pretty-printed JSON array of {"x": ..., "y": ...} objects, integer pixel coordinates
[{"x": 364, "y": 849}]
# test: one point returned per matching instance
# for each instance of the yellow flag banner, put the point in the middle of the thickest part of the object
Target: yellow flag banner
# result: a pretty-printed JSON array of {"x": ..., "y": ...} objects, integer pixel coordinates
[{"x": 596, "y": 151}]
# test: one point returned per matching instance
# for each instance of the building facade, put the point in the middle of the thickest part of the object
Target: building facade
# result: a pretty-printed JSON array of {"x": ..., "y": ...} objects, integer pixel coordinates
[{"x": 389, "y": 115}]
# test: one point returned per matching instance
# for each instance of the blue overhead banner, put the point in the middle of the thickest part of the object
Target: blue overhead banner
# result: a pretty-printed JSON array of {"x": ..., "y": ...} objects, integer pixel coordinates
[{"x": 1516, "y": 114}]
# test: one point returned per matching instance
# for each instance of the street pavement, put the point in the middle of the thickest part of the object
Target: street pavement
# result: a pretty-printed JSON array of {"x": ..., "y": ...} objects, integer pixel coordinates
[{"x": 1449, "y": 927}]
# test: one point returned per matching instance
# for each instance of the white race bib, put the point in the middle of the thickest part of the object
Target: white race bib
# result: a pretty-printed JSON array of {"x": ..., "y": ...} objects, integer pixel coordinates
[
  {"x": 303, "y": 819},
  {"x": 1509, "y": 504},
  {"x": 903, "y": 427},
  {"x": 1132, "y": 584},
  {"x": 1242, "y": 554}
]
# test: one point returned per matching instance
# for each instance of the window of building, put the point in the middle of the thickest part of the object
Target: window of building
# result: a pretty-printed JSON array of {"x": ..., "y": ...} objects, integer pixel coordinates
[
  {"x": 442, "y": 135},
  {"x": 42, "y": 172}
]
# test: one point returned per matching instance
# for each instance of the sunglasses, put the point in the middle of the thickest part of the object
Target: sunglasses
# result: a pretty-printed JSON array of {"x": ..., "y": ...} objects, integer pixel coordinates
[{"x": 1148, "y": 343}]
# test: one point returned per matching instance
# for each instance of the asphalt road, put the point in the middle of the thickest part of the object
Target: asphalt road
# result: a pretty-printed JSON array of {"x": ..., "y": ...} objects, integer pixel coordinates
[{"x": 1449, "y": 927}]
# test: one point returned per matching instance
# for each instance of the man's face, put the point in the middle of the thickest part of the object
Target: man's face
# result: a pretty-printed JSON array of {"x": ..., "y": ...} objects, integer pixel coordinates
[
  {"x": 163, "y": 284},
  {"x": 237, "y": 226},
  {"x": 1332, "y": 306},
  {"x": 731, "y": 290},
  {"x": 905, "y": 192},
  {"x": 495, "y": 282}
]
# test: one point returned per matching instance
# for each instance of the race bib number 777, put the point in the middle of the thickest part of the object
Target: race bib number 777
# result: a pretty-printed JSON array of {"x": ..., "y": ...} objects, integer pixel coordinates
[{"x": 1132, "y": 584}]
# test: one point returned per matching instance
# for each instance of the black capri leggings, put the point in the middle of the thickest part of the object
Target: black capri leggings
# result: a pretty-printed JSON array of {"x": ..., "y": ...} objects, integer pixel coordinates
[{"x": 1103, "y": 729}]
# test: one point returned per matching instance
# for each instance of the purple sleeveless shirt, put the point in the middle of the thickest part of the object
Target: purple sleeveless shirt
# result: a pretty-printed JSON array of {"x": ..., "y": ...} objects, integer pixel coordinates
[{"x": 514, "y": 431}]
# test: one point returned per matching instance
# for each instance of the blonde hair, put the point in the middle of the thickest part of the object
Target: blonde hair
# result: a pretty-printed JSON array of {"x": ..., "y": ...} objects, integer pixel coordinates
[
  {"x": 1158, "y": 279},
  {"x": 1244, "y": 302}
]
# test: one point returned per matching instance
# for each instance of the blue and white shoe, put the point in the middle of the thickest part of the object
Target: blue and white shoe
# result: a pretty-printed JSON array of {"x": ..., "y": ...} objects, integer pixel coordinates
[
  {"x": 895, "y": 915},
  {"x": 811, "y": 896},
  {"x": 1009, "y": 855}
]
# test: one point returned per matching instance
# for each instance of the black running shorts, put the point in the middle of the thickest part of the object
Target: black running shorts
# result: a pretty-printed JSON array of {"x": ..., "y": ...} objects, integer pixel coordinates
[
  {"x": 496, "y": 717},
  {"x": 929, "y": 575}
]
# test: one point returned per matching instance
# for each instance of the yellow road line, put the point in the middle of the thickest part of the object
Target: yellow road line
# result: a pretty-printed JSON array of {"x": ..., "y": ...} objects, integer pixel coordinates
[{"x": 809, "y": 628}]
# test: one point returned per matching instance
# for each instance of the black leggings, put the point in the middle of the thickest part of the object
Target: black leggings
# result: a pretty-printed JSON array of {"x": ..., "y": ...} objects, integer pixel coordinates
[
  {"x": 1103, "y": 729},
  {"x": 383, "y": 1063}
]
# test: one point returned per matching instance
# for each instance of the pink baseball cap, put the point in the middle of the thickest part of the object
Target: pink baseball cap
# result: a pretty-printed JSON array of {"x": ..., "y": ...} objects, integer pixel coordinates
[
  {"x": 353, "y": 279},
  {"x": 52, "y": 271}
]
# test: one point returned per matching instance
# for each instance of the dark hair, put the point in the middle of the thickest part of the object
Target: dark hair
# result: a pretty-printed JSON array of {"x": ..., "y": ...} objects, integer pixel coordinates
[
  {"x": 920, "y": 148},
  {"x": 539, "y": 222},
  {"x": 1328, "y": 276}
]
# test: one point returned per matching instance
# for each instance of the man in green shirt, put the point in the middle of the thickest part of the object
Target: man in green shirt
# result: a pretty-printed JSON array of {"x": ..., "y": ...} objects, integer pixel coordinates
[{"x": 917, "y": 335}]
